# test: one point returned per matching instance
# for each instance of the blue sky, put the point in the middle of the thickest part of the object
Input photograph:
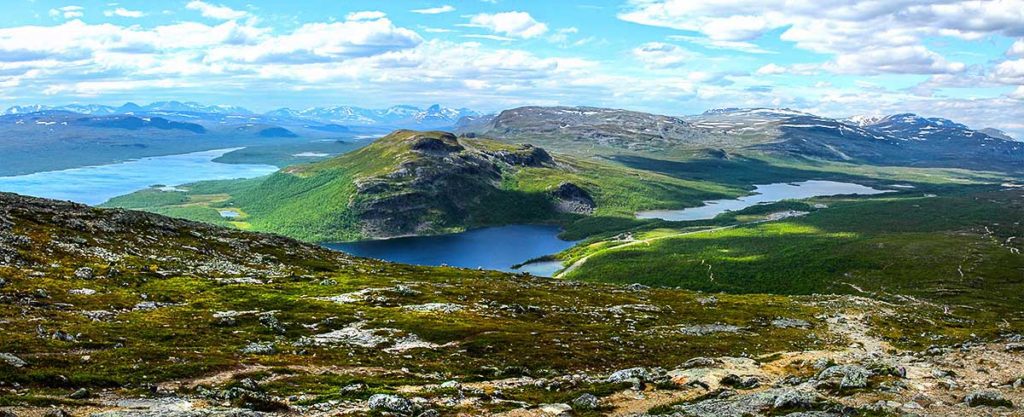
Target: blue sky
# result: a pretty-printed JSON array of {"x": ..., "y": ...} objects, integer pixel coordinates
[{"x": 950, "y": 58}]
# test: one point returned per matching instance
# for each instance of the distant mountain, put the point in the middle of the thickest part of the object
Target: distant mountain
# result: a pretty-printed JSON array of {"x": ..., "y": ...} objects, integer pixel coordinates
[
  {"x": 576, "y": 128},
  {"x": 435, "y": 116},
  {"x": 132, "y": 108},
  {"x": 901, "y": 139},
  {"x": 996, "y": 133}
]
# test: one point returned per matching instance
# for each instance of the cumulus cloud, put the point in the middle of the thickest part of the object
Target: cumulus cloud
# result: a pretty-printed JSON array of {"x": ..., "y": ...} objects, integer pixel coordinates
[
  {"x": 67, "y": 12},
  {"x": 213, "y": 11},
  {"x": 1017, "y": 49},
  {"x": 122, "y": 12},
  {"x": 323, "y": 42},
  {"x": 771, "y": 69},
  {"x": 435, "y": 10},
  {"x": 514, "y": 24},
  {"x": 662, "y": 55},
  {"x": 366, "y": 15},
  {"x": 853, "y": 31}
]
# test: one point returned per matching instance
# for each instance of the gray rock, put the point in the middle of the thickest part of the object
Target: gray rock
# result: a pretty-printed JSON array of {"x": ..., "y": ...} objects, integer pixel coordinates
[
  {"x": 753, "y": 404},
  {"x": 637, "y": 287},
  {"x": 1015, "y": 347},
  {"x": 709, "y": 329},
  {"x": 736, "y": 381},
  {"x": 699, "y": 362},
  {"x": 12, "y": 360},
  {"x": 557, "y": 409},
  {"x": 259, "y": 348},
  {"x": 586, "y": 402},
  {"x": 80, "y": 394},
  {"x": 845, "y": 376},
  {"x": 987, "y": 398},
  {"x": 796, "y": 399},
  {"x": 84, "y": 273},
  {"x": 786, "y": 323},
  {"x": 391, "y": 403},
  {"x": 630, "y": 375},
  {"x": 56, "y": 412},
  {"x": 3, "y": 282},
  {"x": 451, "y": 385},
  {"x": 5, "y": 413}
]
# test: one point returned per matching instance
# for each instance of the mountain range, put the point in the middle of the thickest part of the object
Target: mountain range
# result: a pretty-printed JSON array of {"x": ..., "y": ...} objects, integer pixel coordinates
[
  {"x": 902, "y": 139},
  {"x": 396, "y": 116}
]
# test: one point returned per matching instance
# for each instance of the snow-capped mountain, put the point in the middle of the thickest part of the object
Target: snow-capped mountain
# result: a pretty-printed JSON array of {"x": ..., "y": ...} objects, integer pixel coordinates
[
  {"x": 132, "y": 108},
  {"x": 396, "y": 116},
  {"x": 909, "y": 126}
]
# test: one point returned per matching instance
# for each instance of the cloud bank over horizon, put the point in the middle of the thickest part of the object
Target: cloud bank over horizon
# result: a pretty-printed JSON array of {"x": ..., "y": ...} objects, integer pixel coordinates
[{"x": 958, "y": 59}]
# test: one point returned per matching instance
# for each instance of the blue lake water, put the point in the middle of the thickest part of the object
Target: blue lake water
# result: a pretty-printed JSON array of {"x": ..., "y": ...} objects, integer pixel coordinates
[
  {"x": 97, "y": 184},
  {"x": 497, "y": 248},
  {"x": 767, "y": 193}
]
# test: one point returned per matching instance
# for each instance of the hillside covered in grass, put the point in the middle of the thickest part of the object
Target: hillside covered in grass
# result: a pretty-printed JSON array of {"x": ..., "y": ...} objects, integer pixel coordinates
[
  {"x": 113, "y": 313},
  {"x": 416, "y": 183}
]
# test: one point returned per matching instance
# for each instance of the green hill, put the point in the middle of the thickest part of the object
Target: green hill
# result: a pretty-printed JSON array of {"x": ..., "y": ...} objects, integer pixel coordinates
[{"x": 412, "y": 182}]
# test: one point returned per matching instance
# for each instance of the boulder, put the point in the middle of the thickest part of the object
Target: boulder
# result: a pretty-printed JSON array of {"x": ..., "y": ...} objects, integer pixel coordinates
[
  {"x": 12, "y": 360},
  {"x": 987, "y": 398},
  {"x": 392, "y": 404},
  {"x": 586, "y": 402},
  {"x": 845, "y": 376},
  {"x": 631, "y": 375},
  {"x": 80, "y": 394}
]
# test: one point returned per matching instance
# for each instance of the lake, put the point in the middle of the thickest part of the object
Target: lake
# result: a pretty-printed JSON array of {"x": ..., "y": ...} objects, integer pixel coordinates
[
  {"x": 766, "y": 193},
  {"x": 97, "y": 184},
  {"x": 497, "y": 248}
]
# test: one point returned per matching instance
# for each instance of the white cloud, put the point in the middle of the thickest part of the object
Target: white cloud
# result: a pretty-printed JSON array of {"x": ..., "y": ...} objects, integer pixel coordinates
[
  {"x": 854, "y": 31},
  {"x": 122, "y": 12},
  {"x": 323, "y": 42},
  {"x": 366, "y": 15},
  {"x": 435, "y": 10},
  {"x": 662, "y": 55},
  {"x": 215, "y": 11},
  {"x": 771, "y": 69},
  {"x": 1017, "y": 49},
  {"x": 67, "y": 12},
  {"x": 514, "y": 24},
  {"x": 894, "y": 60},
  {"x": 747, "y": 47}
]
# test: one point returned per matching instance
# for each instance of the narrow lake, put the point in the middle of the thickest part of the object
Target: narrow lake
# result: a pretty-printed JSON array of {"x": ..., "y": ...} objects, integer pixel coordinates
[
  {"x": 766, "y": 193},
  {"x": 497, "y": 248},
  {"x": 97, "y": 184}
]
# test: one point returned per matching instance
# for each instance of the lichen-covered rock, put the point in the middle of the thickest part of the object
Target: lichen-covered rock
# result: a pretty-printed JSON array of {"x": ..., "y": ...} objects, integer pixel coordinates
[
  {"x": 586, "y": 402},
  {"x": 987, "y": 398},
  {"x": 631, "y": 375},
  {"x": 391, "y": 403},
  {"x": 12, "y": 360},
  {"x": 845, "y": 376}
]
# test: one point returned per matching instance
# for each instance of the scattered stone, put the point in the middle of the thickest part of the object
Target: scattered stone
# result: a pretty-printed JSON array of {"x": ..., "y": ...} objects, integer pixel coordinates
[
  {"x": 796, "y": 399},
  {"x": 637, "y": 287},
  {"x": 699, "y": 362},
  {"x": 558, "y": 409},
  {"x": 709, "y": 329},
  {"x": 80, "y": 394},
  {"x": 56, "y": 412},
  {"x": 391, "y": 403},
  {"x": 3, "y": 282},
  {"x": 1015, "y": 347},
  {"x": 271, "y": 322},
  {"x": 786, "y": 323},
  {"x": 5, "y": 413},
  {"x": 987, "y": 398},
  {"x": 631, "y": 375},
  {"x": 357, "y": 387},
  {"x": 84, "y": 273},
  {"x": 328, "y": 282},
  {"x": 259, "y": 348},
  {"x": 98, "y": 315},
  {"x": 12, "y": 360},
  {"x": 646, "y": 308},
  {"x": 753, "y": 404},
  {"x": 82, "y": 291},
  {"x": 707, "y": 301},
  {"x": 453, "y": 384},
  {"x": 355, "y": 334},
  {"x": 586, "y": 402},
  {"x": 736, "y": 381},
  {"x": 445, "y": 308},
  {"x": 845, "y": 376}
]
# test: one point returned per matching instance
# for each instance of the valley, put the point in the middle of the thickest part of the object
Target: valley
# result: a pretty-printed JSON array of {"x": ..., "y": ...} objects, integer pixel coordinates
[{"x": 702, "y": 276}]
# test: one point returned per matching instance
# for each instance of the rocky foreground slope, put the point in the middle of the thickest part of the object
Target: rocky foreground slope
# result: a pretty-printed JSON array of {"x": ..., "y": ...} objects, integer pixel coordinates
[{"x": 118, "y": 313}]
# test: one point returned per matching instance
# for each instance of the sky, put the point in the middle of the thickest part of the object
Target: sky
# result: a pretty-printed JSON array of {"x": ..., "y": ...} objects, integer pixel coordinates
[{"x": 957, "y": 59}]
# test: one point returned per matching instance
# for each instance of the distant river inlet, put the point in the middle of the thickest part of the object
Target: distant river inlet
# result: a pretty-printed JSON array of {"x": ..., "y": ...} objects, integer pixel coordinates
[
  {"x": 96, "y": 184},
  {"x": 766, "y": 193}
]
